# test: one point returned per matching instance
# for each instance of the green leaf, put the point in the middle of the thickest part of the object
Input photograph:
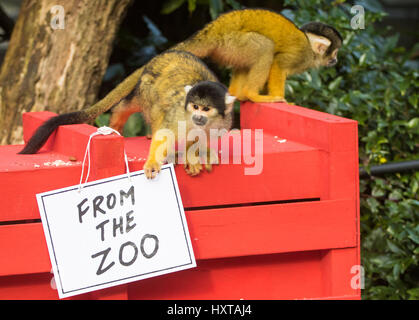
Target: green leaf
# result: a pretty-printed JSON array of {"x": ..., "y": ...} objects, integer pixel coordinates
[
  {"x": 413, "y": 123},
  {"x": 378, "y": 191},
  {"x": 404, "y": 86},
  {"x": 234, "y": 4},
  {"x": 396, "y": 270},
  {"x": 373, "y": 204},
  {"x": 103, "y": 120},
  {"x": 413, "y": 100},
  {"x": 413, "y": 235},
  {"x": 371, "y": 5},
  {"x": 335, "y": 83},
  {"x": 394, "y": 248},
  {"x": 362, "y": 59},
  {"x": 191, "y": 5},
  {"x": 395, "y": 195},
  {"x": 288, "y": 14},
  {"x": 216, "y": 7},
  {"x": 414, "y": 293},
  {"x": 171, "y": 5},
  {"x": 134, "y": 126}
]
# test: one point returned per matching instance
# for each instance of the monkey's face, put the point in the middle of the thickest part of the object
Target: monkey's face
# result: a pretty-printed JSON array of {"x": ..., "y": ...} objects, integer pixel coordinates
[
  {"x": 201, "y": 114},
  {"x": 207, "y": 103},
  {"x": 332, "y": 59}
]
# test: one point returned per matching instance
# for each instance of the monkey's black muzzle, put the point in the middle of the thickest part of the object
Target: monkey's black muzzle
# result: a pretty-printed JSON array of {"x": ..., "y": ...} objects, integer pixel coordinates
[
  {"x": 332, "y": 62},
  {"x": 199, "y": 120}
]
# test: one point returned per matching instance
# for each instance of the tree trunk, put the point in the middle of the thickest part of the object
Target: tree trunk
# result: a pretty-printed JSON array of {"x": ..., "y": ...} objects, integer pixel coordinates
[{"x": 60, "y": 70}]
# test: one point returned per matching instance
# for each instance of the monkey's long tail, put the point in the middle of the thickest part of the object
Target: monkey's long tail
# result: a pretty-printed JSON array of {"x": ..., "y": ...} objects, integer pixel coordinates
[
  {"x": 199, "y": 44},
  {"x": 42, "y": 134},
  {"x": 195, "y": 46}
]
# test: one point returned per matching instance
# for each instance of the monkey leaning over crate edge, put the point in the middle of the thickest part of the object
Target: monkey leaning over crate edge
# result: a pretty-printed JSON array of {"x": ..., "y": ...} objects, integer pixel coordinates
[{"x": 174, "y": 86}]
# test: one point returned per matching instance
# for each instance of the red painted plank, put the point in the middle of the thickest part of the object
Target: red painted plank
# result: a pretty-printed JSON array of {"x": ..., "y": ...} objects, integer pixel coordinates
[
  {"x": 217, "y": 233},
  {"x": 298, "y": 275},
  {"x": 337, "y": 137},
  {"x": 341, "y": 278},
  {"x": 19, "y": 188},
  {"x": 290, "y": 171},
  {"x": 254, "y": 230},
  {"x": 32, "y": 287},
  {"x": 23, "y": 249},
  {"x": 24, "y": 287},
  {"x": 277, "y": 276},
  {"x": 317, "y": 129}
]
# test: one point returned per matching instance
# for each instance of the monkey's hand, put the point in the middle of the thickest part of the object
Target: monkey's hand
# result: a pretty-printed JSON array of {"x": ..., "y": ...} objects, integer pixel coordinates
[
  {"x": 192, "y": 165},
  {"x": 151, "y": 168}
]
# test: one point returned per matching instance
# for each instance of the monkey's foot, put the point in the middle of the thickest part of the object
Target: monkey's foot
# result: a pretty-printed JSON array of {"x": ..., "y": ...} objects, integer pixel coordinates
[
  {"x": 151, "y": 169},
  {"x": 256, "y": 97},
  {"x": 193, "y": 169},
  {"x": 261, "y": 98},
  {"x": 234, "y": 91}
]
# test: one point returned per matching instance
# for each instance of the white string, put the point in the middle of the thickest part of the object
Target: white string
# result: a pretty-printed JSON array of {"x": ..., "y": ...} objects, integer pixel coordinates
[{"x": 100, "y": 131}]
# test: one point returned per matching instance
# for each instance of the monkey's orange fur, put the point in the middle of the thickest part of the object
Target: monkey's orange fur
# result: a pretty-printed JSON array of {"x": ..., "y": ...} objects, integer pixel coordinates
[{"x": 261, "y": 46}]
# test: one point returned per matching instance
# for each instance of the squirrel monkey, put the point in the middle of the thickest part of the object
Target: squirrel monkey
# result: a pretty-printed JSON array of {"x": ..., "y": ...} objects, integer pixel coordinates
[
  {"x": 174, "y": 86},
  {"x": 263, "y": 48}
]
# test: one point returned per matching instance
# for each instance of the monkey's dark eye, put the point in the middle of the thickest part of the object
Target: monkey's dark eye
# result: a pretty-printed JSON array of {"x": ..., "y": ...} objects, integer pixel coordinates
[
  {"x": 206, "y": 109},
  {"x": 195, "y": 107}
]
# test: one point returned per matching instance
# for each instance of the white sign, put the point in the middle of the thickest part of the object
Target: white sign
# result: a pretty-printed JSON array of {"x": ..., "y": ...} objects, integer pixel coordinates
[{"x": 115, "y": 230}]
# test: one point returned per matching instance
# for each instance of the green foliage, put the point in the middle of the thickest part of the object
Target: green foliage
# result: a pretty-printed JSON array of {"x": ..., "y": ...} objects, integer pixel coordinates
[
  {"x": 374, "y": 84},
  {"x": 216, "y": 7},
  {"x": 390, "y": 237},
  {"x": 135, "y": 126}
]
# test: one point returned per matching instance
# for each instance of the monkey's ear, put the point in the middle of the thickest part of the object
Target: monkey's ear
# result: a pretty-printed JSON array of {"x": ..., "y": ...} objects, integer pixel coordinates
[
  {"x": 319, "y": 44},
  {"x": 229, "y": 99},
  {"x": 188, "y": 88}
]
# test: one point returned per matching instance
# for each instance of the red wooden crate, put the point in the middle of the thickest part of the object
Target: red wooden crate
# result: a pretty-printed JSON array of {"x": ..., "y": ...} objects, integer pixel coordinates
[{"x": 291, "y": 232}]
